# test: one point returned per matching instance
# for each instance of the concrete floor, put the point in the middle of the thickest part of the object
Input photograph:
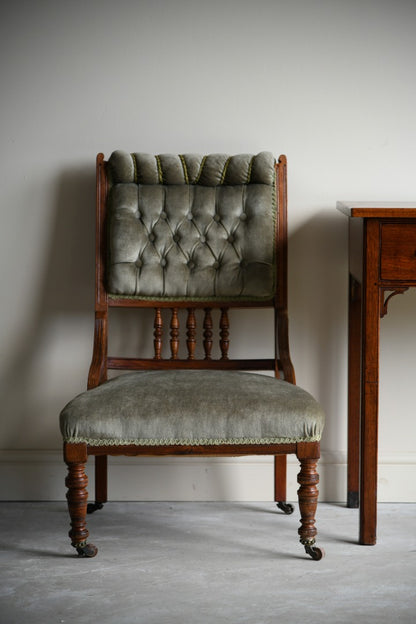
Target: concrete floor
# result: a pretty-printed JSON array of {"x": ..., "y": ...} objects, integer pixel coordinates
[{"x": 168, "y": 563}]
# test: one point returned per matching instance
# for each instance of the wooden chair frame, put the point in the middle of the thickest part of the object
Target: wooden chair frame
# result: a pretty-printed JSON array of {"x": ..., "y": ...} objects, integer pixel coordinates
[{"x": 76, "y": 454}]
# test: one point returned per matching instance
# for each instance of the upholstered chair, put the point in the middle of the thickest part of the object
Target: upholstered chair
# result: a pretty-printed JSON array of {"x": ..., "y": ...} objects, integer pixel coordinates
[{"x": 193, "y": 238}]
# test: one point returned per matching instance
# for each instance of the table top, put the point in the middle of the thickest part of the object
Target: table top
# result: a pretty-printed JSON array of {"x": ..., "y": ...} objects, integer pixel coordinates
[{"x": 378, "y": 209}]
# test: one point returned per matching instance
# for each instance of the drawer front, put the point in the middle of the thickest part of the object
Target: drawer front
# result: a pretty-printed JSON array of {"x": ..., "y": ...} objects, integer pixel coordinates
[{"x": 398, "y": 251}]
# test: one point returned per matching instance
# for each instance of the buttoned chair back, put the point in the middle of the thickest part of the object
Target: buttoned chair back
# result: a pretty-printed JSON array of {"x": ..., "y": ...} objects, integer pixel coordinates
[{"x": 192, "y": 238}]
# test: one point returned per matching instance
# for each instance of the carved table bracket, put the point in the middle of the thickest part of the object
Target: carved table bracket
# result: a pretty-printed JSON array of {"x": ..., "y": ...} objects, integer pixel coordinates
[{"x": 385, "y": 302}]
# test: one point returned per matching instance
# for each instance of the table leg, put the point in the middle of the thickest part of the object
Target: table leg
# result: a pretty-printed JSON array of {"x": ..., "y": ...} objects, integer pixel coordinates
[
  {"x": 369, "y": 391},
  {"x": 354, "y": 392}
]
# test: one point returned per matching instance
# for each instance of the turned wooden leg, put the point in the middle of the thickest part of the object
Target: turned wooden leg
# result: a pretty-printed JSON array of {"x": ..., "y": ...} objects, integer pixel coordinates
[
  {"x": 308, "y": 480},
  {"x": 77, "y": 496},
  {"x": 280, "y": 484},
  {"x": 100, "y": 484}
]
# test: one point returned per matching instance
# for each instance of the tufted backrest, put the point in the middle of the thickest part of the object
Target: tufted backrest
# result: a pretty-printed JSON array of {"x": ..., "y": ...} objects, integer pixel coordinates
[{"x": 189, "y": 227}]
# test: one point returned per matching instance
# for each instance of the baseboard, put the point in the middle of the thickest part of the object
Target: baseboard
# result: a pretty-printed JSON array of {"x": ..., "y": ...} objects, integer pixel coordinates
[{"x": 40, "y": 475}]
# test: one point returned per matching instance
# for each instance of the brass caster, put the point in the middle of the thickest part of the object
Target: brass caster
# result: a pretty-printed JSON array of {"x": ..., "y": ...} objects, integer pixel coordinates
[
  {"x": 315, "y": 552},
  {"x": 287, "y": 508},
  {"x": 91, "y": 507},
  {"x": 85, "y": 550}
]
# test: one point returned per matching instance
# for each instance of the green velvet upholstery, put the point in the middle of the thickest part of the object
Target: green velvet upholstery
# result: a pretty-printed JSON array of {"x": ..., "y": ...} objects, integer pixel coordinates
[
  {"x": 210, "y": 170},
  {"x": 192, "y": 408},
  {"x": 192, "y": 227}
]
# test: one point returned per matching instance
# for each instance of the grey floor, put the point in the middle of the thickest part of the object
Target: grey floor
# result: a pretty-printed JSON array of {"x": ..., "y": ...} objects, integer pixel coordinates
[{"x": 205, "y": 562}]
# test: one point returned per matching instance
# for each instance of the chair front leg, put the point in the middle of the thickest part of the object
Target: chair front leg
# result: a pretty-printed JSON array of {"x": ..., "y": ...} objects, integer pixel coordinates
[
  {"x": 308, "y": 480},
  {"x": 77, "y": 497}
]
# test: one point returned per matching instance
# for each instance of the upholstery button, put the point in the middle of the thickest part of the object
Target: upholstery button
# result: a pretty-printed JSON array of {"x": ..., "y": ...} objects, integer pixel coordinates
[
  {"x": 243, "y": 264},
  {"x": 163, "y": 215},
  {"x": 202, "y": 239},
  {"x": 152, "y": 237},
  {"x": 138, "y": 215},
  {"x": 191, "y": 264},
  {"x": 163, "y": 262},
  {"x": 176, "y": 238},
  {"x": 216, "y": 265},
  {"x": 189, "y": 216},
  {"x": 217, "y": 218},
  {"x": 243, "y": 216},
  {"x": 139, "y": 263},
  {"x": 230, "y": 238}
]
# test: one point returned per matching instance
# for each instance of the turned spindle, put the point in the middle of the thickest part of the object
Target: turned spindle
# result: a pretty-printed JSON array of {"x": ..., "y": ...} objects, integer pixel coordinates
[
  {"x": 207, "y": 333},
  {"x": 174, "y": 334},
  {"x": 224, "y": 333},
  {"x": 158, "y": 332},
  {"x": 191, "y": 333}
]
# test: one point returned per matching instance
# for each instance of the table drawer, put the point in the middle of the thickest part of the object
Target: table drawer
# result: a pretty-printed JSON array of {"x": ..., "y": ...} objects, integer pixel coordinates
[{"x": 398, "y": 251}]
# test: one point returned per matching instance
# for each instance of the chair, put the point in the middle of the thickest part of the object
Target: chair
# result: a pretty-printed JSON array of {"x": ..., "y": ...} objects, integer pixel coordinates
[{"x": 191, "y": 237}]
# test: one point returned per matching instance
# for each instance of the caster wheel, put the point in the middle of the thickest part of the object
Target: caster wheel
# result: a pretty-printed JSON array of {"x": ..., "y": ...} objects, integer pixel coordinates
[
  {"x": 315, "y": 552},
  {"x": 91, "y": 507},
  {"x": 88, "y": 550},
  {"x": 287, "y": 508}
]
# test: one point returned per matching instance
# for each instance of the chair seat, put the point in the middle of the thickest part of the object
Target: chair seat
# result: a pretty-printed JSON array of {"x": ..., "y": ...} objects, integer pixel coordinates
[{"x": 192, "y": 407}]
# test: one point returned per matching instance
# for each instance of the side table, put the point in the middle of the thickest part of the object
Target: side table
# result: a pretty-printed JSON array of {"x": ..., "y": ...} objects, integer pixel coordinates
[{"x": 382, "y": 263}]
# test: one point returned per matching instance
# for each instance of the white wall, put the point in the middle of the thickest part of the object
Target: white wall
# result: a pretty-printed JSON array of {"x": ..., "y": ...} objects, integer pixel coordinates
[{"x": 331, "y": 83}]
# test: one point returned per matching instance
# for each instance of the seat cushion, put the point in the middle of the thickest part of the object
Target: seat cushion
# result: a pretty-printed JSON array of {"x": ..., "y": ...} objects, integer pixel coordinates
[{"x": 192, "y": 408}]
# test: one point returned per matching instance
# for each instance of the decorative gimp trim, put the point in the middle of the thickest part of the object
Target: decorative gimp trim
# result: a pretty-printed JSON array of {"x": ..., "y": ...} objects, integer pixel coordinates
[
  {"x": 212, "y": 299},
  {"x": 186, "y": 441}
]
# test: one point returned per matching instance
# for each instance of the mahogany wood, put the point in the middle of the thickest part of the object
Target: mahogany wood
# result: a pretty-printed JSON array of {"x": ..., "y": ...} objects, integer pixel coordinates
[
  {"x": 76, "y": 454},
  {"x": 191, "y": 333},
  {"x": 224, "y": 333},
  {"x": 207, "y": 334},
  {"x": 158, "y": 333},
  {"x": 174, "y": 334},
  {"x": 308, "y": 480},
  {"x": 398, "y": 251},
  {"x": 281, "y": 312},
  {"x": 354, "y": 383},
  {"x": 121, "y": 302},
  {"x": 280, "y": 476},
  {"x": 218, "y": 450},
  {"x": 378, "y": 210},
  {"x": 101, "y": 478},
  {"x": 98, "y": 369},
  {"x": 160, "y": 364},
  {"x": 382, "y": 258}
]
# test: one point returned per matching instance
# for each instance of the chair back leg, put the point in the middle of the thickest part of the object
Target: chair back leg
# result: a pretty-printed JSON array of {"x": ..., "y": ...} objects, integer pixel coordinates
[
  {"x": 100, "y": 484},
  {"x": 280, "y": 464}
]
